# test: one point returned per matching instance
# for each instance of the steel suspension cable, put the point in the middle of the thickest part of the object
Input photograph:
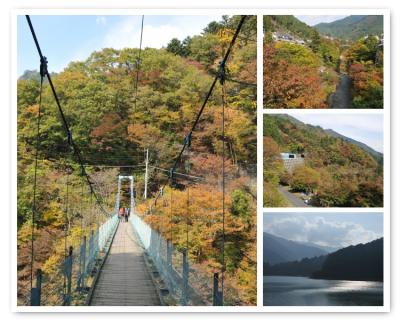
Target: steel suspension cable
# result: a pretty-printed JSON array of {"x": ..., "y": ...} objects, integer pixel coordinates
[
  {"x": 194, "y": 125},
  {"x": 76, "y": 149},
  {"x": 43, "y": 69}
]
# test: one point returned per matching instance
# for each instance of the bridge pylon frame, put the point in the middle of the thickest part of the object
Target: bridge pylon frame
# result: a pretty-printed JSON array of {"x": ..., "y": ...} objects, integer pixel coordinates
[{"x": 117, "y": 202}]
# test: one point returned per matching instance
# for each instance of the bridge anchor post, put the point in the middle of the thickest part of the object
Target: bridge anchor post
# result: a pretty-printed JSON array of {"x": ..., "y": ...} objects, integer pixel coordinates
[
  {"x": 217, "y": 295},
  {"x": 68, "y": 277},
  {"x": 169, "y": 256},
  {"x": 37, "y": 291},
  {"x": 82, "y": 267},
  {"x": 185, "y": 278}
]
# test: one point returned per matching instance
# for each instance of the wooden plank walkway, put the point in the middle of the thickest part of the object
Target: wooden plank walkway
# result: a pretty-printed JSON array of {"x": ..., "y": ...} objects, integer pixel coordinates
[{"x": 124, "y": 279}]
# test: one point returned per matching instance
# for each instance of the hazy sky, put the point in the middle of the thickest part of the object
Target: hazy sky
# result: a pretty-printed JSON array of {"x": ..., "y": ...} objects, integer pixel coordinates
[
  {"x": 315, "y": 19},
  {"x": 325, "y": 229},
  {"x": 366, "y": 128},
  {"x": 68, "y": 38}
]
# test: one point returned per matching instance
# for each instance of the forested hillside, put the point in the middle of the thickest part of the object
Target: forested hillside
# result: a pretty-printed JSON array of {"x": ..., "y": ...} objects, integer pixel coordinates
[
  {"x": 352, "y": 27},
  {"x": 362, "y": 262},
  {"x": 304, "y": 68},
  {"x": 336, "y": 172},
  {"x": 112, "y": 126}
]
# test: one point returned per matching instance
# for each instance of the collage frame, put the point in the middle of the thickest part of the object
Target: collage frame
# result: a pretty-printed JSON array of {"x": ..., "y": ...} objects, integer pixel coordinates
[
  {"x": 260, "y": 113},
  {"x": 385, "y": 111}
]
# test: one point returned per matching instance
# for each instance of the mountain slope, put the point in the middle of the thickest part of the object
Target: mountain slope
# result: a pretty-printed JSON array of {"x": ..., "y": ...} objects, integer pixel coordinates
[
  {"x": 338, "y": 172},
  {"x": 303, "y": 268},
  {"x": 360, "y": 262},
  {"x": 352, "y": 27},
  {"x": 377, "y": 155},
  {"x": 289, "y": 24},
  {"x": 278, "y": 250}
]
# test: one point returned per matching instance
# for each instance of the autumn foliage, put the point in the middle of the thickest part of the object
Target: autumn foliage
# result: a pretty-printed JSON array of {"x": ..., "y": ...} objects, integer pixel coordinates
[{"x": 112, "y": 126}]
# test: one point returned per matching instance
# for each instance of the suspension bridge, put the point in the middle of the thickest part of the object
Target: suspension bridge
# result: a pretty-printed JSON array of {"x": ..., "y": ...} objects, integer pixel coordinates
[{"x": 119, "y": 263}]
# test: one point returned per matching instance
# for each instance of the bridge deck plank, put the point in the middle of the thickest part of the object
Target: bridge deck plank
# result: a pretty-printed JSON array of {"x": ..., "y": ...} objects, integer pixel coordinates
[{"x": 124, "y": 279}]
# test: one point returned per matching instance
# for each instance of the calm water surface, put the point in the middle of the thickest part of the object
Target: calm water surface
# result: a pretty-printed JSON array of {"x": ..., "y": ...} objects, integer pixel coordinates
[{"x": 301, "y": 291}]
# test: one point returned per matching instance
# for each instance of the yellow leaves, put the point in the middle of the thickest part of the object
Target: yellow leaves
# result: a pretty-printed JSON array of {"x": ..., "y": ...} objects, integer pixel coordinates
[
  {"x": 52, "y": 264},
  {"x": 53, "y": 215}
]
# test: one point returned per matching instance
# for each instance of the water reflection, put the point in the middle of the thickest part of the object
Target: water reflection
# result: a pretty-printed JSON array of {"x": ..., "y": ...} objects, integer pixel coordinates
[{"x": 300, "y": 291}]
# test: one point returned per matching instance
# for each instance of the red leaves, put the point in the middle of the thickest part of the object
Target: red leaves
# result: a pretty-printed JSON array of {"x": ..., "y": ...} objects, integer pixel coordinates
[{"x": 288, "y": 85}]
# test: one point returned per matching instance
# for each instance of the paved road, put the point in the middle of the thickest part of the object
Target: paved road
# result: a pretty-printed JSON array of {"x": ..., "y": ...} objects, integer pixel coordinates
[
  {"x": 296, "y": 202},
  {"x": 341, "y": 98},
  {"x": 124, "y": 279}
]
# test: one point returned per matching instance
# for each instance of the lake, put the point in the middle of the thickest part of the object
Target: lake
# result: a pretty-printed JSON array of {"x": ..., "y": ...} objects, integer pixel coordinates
[{"x": 301, "y": 291}]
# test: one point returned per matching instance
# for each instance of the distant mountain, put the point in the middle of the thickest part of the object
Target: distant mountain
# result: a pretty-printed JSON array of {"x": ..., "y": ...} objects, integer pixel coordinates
[
  {"x": 278, "y": 250},
  {"x": 30, "y": 75},
  {"x": 324, "y": 248},
  {"x": 303, "y": 268},
  {"x": 352, "y": 27},
  {"x": 360, "y": 262},
  {"x": 377, "y": 155},
  {"x": 34, "y": 75}
]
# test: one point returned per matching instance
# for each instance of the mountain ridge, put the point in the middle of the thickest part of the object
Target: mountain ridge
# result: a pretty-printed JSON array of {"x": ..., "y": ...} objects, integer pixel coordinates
[
  {"x": 278, "y": 249},
  {"x": 342, "y": 264},
  {"x": 352, "y": 27},
  {"x": 375, "y": 154}
]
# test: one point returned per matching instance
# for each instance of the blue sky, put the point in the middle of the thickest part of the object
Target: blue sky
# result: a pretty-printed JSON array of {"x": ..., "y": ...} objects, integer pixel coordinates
[
  {"x": 69, "y": 38},
  {"x": 315, "y": 19},
  {"x": 366, "y": 128},
  {"x": 325, "y": 229}
]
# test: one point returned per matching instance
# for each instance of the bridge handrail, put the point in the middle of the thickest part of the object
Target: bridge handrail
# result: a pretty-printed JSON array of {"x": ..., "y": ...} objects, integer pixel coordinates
[
  {"x": 68, "y": 282},
  {"x": 170, "y": 264}
]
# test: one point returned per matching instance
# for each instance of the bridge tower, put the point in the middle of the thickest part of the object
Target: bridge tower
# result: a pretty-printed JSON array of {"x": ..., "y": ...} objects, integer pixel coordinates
[{"x": 117, "y": 202}]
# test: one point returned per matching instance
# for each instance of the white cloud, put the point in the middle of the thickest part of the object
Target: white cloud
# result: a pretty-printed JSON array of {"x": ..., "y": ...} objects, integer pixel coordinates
[
  {"x": 101, "y": 20},
  {"x": 320, "y": 231},
  {"x": 127, "y": 32}
]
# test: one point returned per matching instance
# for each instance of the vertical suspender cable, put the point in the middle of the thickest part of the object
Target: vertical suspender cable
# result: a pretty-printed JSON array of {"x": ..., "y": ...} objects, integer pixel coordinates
[
  {"x": 65, "y": 236},
  {"x": 138, "y": 64},
  {"x": 91, "y": 212},
  {"x": 170, "y": 215},
  {"x": 223, "y": 190},
  {"x": 43, "y": 70},
  {"x": 217, "y": 77},
  {"x": 81, "y": 213},
  {"x": 187, "y": 222}
]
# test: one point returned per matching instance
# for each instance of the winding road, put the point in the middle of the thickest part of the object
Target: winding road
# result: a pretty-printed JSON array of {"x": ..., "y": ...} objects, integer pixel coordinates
[{"x": 295, "y": 201}]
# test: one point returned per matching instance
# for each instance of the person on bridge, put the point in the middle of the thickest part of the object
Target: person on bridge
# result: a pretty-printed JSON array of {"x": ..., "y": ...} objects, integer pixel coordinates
[
  {"x": 126, "y": 214},
  {"x": 121, "y": 213}
]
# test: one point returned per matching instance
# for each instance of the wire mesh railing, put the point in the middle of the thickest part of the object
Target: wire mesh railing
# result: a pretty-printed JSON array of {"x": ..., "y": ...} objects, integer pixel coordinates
[
  {"x": 70, "y": 280},
  {"x": 185, "y": 282}
]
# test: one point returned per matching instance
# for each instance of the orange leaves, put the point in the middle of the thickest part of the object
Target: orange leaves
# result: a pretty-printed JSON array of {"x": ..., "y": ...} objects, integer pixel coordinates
[
  {"x": 143, "y": 134},
  {"x": 290, "y": 85},
  {"x": 33, "y": 110},
  {"x": 271, "y": 149}
]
